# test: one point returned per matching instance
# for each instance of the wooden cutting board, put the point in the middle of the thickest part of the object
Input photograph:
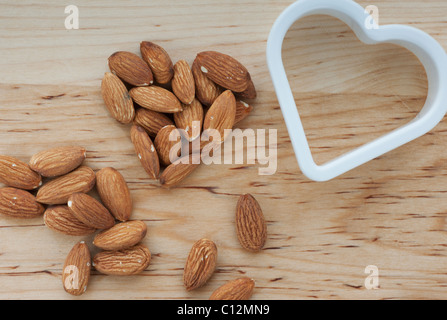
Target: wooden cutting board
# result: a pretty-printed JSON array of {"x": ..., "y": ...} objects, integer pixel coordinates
[{"x": 389, "y": 213}]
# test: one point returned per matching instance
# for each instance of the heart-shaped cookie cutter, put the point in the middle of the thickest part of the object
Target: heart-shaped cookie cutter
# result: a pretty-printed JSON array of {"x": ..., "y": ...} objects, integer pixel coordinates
[{"x": 427, "y": 50}]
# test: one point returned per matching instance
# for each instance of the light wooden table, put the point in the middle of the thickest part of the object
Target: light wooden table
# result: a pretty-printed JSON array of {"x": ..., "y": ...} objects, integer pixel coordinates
[{"x": 389, "y": 212}]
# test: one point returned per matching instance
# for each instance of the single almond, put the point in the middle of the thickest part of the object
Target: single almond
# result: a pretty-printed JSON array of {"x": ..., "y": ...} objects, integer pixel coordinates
[
  {"x": 251, "y": 227},
  {"x": 90, "y": 211},
  {"x": 121, "y": 236},
  {"x": 151, "y": 121},
  {"x": 76, "y": 272},
  {"x": 220, "y": 117},
  {"x": 179, "y": 170},
  {"x": 117, "y": 98},
  {"x": 57, "y": 161},
  {"x": 114, "y": 193},
  {"x": 206, "y": 90},
  {"x": 156, "y": 98},
  {"x": 58, "y": 190},
  {"x": 19, "y": 203},
  {"x": 17, "y": 174},
  {"x": 190, "y": 119},
  {"x": 60, "y": 219},
  {"x": 243, "y": 109},
  {"x": 200, "y": 264},
  {"x": 145, "y": 151},
  {"x": 130, "y": 68},
  {"x": 158, "y": 60},
  {"x": 238, "y": 289},
  {"x": 224, "y": 70},
  {"x": 130, "y": 261},
  {"x": 183, "y": 82},
  {"x": 168, "y": 144},
  {"x": 249, "y": 92}
]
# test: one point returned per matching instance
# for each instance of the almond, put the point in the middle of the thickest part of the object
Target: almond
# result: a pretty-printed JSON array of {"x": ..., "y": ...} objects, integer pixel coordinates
[
  {"x": 158, "y": 60},
  {"x": 206, "y": 90},
  {"x": 249, "y": 92},
  {"x": 124, "y": 262},
  {"x": 90, "y": 211},
  {"x": 114, "y": 193},
  {"x": 183, "y": 82},
  {"x": 251, "y": 227},
  {"x": 58, "y": 190},
  {"x": 168, "y": 144},
  {"x": 76, "y": 272},
  {"x": 156, "y": 98},
  {"x": 117, "y": 99},
  {"x": 121, "y": 236},
  {"x": 19, "y": 203},
  {"x": 243, "y": 109},
  {"x": 60, "y": 218},
  {"x": 238, "y": 289},
  {"x": 200, "y": 264},
  {"x": 57, "y": 161},
  {"x": 220, "y": 116},
  {"x": 145, "y": 150},
  {"x": 17, "y": 174},
  {"x": 130, "y": 68},
  {"x": 223, "y": 70},
  {"x": 190, "y": 119},
  {"x": 179, "y": 170},
  {"x": 151, "y": 121}
]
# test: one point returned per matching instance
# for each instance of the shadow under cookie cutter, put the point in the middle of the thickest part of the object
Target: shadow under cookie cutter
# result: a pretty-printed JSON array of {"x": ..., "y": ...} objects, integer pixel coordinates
[{"x": 427, "y": 50}]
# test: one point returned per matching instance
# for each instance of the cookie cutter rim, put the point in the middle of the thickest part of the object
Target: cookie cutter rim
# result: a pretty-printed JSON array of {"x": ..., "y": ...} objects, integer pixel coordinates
[{"x": 430, "y": 53}]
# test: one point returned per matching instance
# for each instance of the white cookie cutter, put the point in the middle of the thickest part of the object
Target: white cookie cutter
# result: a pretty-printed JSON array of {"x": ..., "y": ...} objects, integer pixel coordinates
[{"x": 429, "y": 52}]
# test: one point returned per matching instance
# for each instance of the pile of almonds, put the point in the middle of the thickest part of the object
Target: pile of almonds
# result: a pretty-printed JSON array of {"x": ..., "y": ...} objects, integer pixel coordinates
[
  {"x": 72, "y": 211},
  {"x": 159, "y": 97}
]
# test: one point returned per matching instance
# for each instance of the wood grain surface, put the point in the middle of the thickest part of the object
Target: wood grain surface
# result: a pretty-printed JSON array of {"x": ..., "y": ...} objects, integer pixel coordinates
[{"x": 390, "y": 212}]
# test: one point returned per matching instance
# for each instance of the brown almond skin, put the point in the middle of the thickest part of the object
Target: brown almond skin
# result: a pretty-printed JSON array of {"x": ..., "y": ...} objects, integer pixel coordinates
[
  {"x": 220, "y": 116},
  {"x": 60, "y": 219},
  {"x": 200, "y": 264},
  {"x": 130, "y": 68},
  {"x": 58, "y": 190},
  {"x": 121, "y": 236},
  {"x": 19, "y": 203},
  {"x": 156, "y": 99},
  {"x": 206, "y": 90},
  {"x": 183, "y": 84},
  {"x": 176, "y": 172},
  {"x": 243, "y": 109},
  {"x": 187, "y": 119},
  {"x": 117, "y": 98},
  {"x": 90, "y": 211},
  {"x": 238, "y": 289},
  {"x": 145, "y": 150},
  {"x": 57, "y": 161},
  {"x": 114, "y": 193},
  {"x": 17, "y": 174},
  {"x": 249, "y": 92},
  {"x": 251, "y": 227},
  {"x": 151, "y": 121},
  {"x": 76, "y": 271},
  {"x": 158, "y": 60},
  {"x": 224, "y": 70},
  {"x": 130, "y": 261},
  {"x": 164, "y": 145}
]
